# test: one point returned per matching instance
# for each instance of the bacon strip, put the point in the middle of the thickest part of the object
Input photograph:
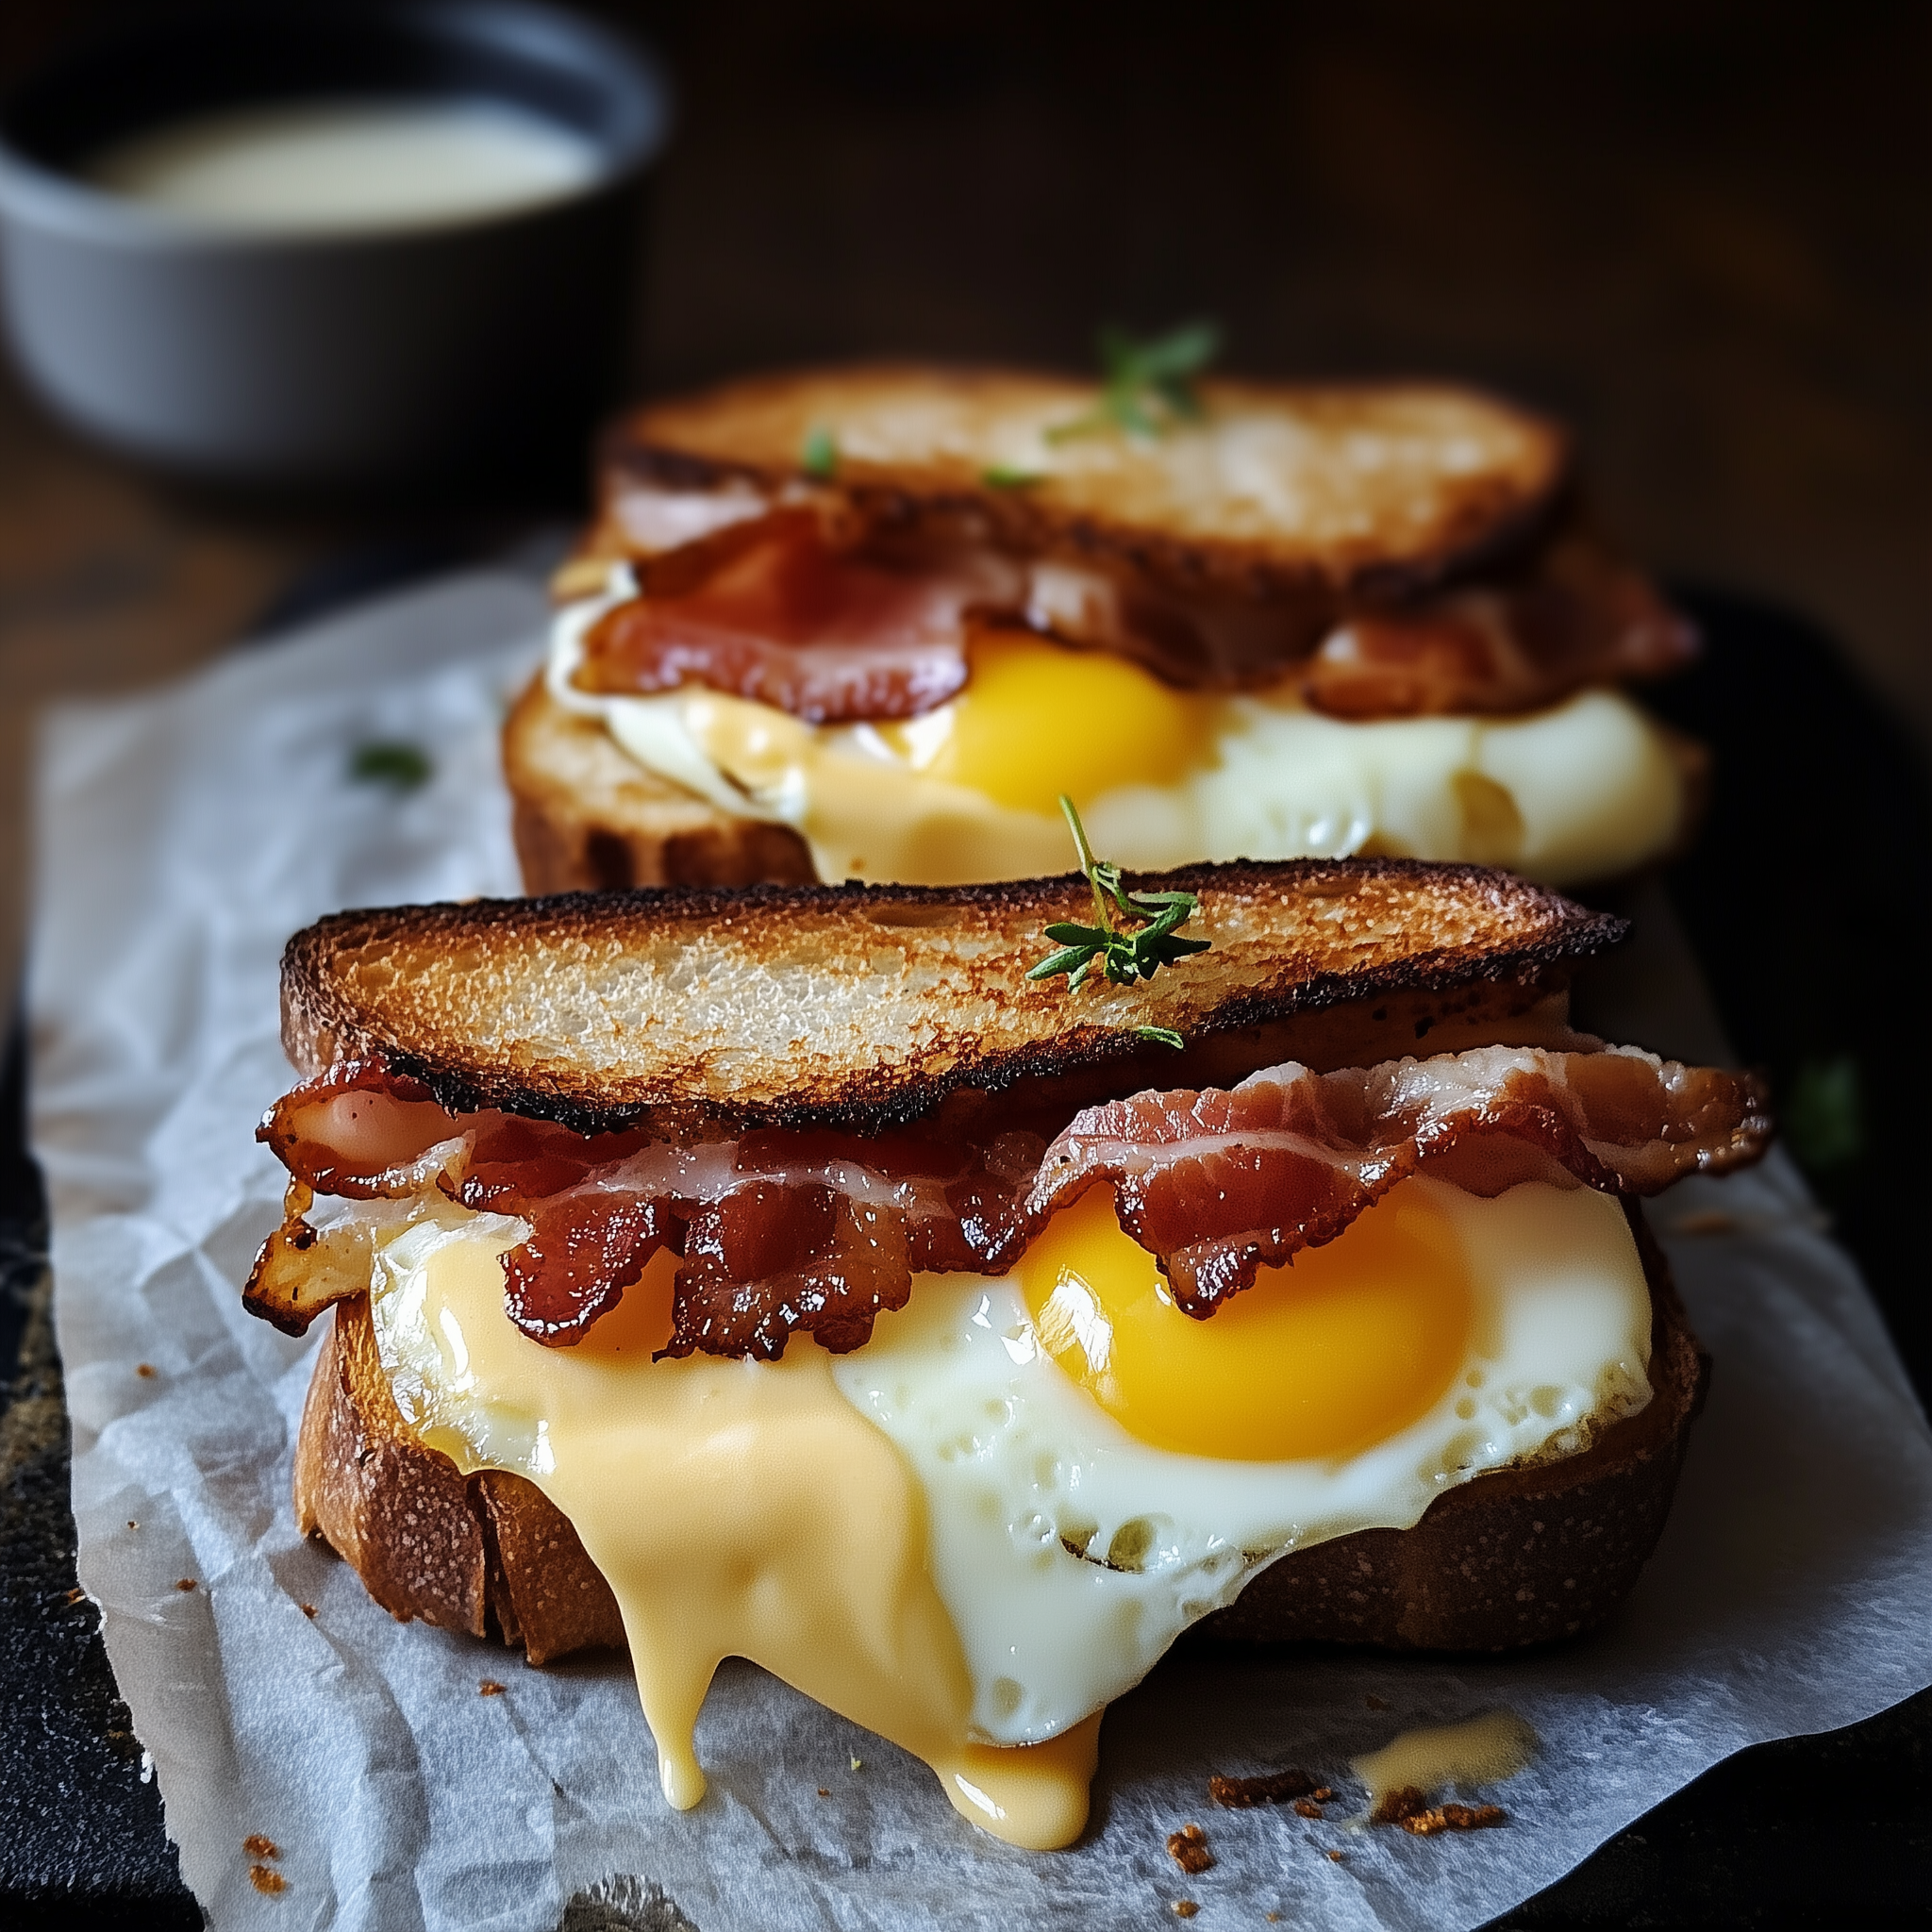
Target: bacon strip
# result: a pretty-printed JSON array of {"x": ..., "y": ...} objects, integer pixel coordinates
[
  {"x": 1217, "y": 1185},
  {"x": 774, "y": 610},
  {"x": 1582, "y": 618},
  {"x": 791, "y": 623},
  {"x": 820, "y": 1232},
  {"x": 777, "y": 1231}
]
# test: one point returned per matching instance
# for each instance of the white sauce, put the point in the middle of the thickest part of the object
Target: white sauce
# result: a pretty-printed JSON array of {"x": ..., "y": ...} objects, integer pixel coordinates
[{"x": 345, "y": 165}]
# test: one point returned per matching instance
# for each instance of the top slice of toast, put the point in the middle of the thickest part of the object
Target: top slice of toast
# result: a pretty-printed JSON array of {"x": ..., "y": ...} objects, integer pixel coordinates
[
  {"x": 704, "y": 1009},
  {"x": 1355, "y": 490}
]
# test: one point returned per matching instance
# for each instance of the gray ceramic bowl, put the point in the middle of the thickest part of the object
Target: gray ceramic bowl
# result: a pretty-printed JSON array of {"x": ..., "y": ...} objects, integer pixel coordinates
[{"x": 320, "y": 359}]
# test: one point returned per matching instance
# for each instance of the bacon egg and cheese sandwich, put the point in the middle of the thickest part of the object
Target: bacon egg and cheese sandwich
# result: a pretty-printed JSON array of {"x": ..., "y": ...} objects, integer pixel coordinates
[
  {"x": 867, "y": 623},
  {"x": 784, "y": 1272}
]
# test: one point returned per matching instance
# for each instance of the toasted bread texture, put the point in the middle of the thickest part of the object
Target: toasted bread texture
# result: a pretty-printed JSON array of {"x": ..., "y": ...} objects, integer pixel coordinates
[
  {"x": 1277, "y": 491},
  {"x": 1515, "y": 1556},
  {"x": 693, "y": 1009},
  {"x": 586, "y": 817}
]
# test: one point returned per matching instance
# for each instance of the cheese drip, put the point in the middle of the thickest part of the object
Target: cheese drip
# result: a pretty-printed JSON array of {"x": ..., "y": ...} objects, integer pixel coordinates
[{"x": 736, "y": 1509}]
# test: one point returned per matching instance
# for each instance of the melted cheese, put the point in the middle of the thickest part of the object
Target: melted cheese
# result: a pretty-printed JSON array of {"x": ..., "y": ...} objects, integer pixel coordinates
[
  {"x": 1484, "y": 1749},
  {"x": 965, "y": 792},
  {"x": 952, "y": 1535},
  {"x": 735, "y": 1509}
]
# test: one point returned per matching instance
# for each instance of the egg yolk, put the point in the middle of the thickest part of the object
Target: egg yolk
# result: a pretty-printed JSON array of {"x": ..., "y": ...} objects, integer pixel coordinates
[
  {"x": 1324, "y": 1357},
  {"x": 1036, "y": 719}
]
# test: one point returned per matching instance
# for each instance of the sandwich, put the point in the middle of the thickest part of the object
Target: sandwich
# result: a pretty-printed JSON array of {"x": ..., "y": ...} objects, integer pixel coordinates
[
  {"x": 818, "y": 1274},
  {"x": 869, "y": 623}
]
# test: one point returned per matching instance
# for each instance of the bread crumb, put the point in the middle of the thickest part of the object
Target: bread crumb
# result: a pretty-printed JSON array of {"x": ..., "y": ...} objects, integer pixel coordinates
[
  {"x": 75, "y": 1595},
  {"x": 489, "y": 1687},
  {"x": 1188, "y": 1848},
  {"x": 1306, "y": 1807},
  {"x": 144, "y": 1369},
  {"x": 1335, "y": 1858},
  {"x": 1704, "y": 1221},
  {"x": 1405, "y": 1801},
  {"x": 259, "y": 1847},
  {"x": 1379, "y": 1703},
  {"x": 1185, "y": 1908},
  {"x": 1272, "y": 1787},
  {"x": 266, "y": 1881},
  {"x": 307, "y": 1609},
  {"x": 187, "y": 1583},
  {"x": 1454, "y": 1818},
  {"x": 132, "y": 1525}
]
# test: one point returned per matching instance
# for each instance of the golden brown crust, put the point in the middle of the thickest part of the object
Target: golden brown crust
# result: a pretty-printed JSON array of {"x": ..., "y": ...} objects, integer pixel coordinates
[
  {"x": 699, "y": 1008},
  {"x": 1515, "y": 1556},
  {"x": 1300, "y": 493},
  {"x": 398, "y": 1512},
  {"x": 588, "y": 818},
  {"x": 488, "y": 1554}
]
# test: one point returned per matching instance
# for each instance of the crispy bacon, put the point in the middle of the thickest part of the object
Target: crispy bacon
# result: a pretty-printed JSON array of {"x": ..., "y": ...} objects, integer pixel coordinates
[
  {"x": 361, "y": 1131},
  {"x": 792, "y": 622},
  {"x": 585, "y": 1247},
  {"x": 820, "y": 1232},
  {"x": 774, "y": 607},
  {"x": 777, "y": 1232},
  {"x": 1218, "y": 1184},
  {"x": 1581, "y": 619}
]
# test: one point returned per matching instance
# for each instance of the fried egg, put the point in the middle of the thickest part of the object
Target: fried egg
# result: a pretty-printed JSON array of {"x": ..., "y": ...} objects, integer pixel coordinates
[
  {"x": 974, "y": 1532},
  {"x": 966, "y": 792}
]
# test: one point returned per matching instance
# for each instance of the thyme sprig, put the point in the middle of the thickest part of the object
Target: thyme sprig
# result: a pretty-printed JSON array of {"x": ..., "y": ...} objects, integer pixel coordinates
[
  {"x": 1133, "y": 934},
  {"x": 1146, "y": 386},
  {"x": 818, "y": 454}
]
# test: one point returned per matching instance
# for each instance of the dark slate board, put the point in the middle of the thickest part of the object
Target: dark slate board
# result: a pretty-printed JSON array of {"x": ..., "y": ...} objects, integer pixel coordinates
[{"x": 1811, "y": 943}]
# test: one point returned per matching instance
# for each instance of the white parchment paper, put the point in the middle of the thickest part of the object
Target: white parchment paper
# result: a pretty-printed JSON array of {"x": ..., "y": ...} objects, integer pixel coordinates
[{"x": 182, "y": 838}]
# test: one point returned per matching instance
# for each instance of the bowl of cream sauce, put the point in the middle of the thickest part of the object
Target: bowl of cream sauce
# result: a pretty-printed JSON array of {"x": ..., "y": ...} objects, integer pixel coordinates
[{"x": 337, "y": 243}]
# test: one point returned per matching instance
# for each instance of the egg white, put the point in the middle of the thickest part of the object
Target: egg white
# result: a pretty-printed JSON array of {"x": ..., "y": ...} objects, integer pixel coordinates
[{"x": 1022, "y": 1472}]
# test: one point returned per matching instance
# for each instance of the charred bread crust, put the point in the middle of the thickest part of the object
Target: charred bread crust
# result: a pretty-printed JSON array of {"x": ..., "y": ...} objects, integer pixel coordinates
[
  {"x": 1519, "y": 1556},
  {"x": 1120, "y": 502},
  {"x": 1515, "y": 1556},
  {"x": 588, "y": 818},
  {"x": 1295, "y": 939}
]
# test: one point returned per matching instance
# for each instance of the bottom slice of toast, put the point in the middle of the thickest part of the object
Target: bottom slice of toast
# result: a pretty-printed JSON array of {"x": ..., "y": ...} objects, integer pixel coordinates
[
  {"x": 590, "y": 818},
  {"x": 1515, "y": 1556}
]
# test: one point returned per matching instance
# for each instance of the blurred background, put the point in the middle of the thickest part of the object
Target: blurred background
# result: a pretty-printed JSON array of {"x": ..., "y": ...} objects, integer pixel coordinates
[{"x": 1696, "y": 230}]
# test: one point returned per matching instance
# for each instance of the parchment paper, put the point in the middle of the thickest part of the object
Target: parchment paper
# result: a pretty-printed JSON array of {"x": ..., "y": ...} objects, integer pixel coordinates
[{"x": 182, "y": 838}]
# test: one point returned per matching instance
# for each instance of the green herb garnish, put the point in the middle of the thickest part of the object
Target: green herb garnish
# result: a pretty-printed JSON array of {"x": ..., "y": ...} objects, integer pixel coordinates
[
  {"x": 1010, "y": 476},
  {"x": 1146, "y": 386},
  {"x": 1161, "y": 1036},
  {"x": 818, "y": 455},
  {"x": 1824, "y": 1116},
  {"x": 393, "y": 762},
  {"x": 1137, "y": 949}
]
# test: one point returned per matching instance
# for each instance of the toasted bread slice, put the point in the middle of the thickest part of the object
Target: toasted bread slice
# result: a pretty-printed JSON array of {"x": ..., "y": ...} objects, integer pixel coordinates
[
  {"x": 586, "y": 817},
  {"x": 1519, "y": 1556},
  {"x": 793, "y": 1006},
  {"x": 1277, "y": 491}
]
